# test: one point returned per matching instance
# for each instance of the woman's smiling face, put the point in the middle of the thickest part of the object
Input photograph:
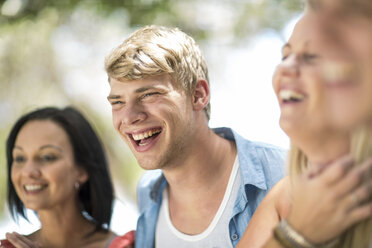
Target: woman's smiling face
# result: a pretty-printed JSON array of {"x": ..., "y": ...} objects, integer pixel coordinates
[
  {"x": 298, "y": 82},
  {"x": 319, "y": 83},
  {"x": 44, "y": 171}
]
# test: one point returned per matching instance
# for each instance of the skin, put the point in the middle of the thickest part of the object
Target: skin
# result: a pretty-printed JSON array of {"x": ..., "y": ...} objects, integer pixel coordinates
[
  {"x": 318, "y": 216},
  {"x": 306, "y": 121},
  {"x": 153, "y": 104},
  {"x": 43, "y": 157},
  {"x": 349, "y": 26},
  {"x": 186, "y": 149}
]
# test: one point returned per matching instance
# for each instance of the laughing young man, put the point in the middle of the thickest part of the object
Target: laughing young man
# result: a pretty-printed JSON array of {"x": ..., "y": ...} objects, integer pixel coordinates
[{"x": 202, "y": 185}]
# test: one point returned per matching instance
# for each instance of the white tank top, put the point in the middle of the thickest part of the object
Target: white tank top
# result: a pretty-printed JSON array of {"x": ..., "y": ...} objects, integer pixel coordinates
[{"x": 217, "y": 233}]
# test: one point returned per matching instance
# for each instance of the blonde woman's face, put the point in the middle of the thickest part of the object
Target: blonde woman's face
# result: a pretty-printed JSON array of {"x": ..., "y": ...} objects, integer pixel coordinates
[
  {"x": 303, "y": 91},
  {"x": 349, "y": 29}
]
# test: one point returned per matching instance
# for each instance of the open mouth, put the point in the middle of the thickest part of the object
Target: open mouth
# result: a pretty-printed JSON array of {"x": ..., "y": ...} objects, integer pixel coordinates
[
  {"x": 290, "y": 96},
  {"x": 146, "y": 137},
  {"x": 33, "y": 188}
]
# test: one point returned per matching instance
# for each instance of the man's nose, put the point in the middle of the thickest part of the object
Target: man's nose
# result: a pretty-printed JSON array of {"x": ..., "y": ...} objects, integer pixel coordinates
[{"x": 133, "y": 113}]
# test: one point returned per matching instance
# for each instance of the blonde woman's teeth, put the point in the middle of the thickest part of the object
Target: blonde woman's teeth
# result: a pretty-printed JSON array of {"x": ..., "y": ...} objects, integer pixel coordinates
[{"x": 290, "y": 95}]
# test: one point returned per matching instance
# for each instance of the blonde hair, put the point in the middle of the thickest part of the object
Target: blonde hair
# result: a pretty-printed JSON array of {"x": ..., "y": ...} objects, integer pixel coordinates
[
  {"x": 361, "y": 148},
  {"x": 360, "y": 234},
  {"x": 154, "y": 50}
]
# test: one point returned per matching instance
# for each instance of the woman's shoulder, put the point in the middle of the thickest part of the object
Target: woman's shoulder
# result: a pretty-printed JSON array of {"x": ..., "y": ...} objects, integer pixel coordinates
[
  {"x": 280, "y": 188},
  {"x": 282, "y": 197},
  {"x": 278, "y": 198},
  {"x": 123, "y": 241}
]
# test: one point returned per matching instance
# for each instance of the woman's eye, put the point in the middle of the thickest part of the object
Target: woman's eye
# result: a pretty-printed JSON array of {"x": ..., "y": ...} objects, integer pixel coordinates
[
  {"x": 116, "y": 102},
  {"x": 19, "y": 159},
  {"x": 309, "y": 57},
  {"x": 284, "y": 56},
  {"x": 48, "y": 158}
]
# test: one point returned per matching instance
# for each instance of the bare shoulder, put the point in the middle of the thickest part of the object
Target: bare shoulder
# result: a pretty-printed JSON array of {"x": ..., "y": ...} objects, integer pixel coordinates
[
  {"x": 283, "y": 199},
  {"x": 278, "y": 196}
]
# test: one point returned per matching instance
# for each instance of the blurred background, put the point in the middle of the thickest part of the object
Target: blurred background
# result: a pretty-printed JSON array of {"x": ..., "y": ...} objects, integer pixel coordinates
[{"x": 52, "y": 53}]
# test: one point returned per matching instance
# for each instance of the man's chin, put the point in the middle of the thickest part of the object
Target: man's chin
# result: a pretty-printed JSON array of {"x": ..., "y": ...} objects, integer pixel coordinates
[{"x": 148, "y": 164}]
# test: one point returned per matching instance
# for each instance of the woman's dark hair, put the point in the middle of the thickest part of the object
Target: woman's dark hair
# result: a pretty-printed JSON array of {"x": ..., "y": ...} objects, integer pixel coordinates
[{"x": 97, "y": 194}]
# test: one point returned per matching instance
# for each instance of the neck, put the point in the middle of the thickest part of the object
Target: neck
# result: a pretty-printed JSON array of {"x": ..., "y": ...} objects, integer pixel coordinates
[
  {"x": 323, "y": 151},
  {"x": 209, "y": 161},
  {"x": 61, "y": 228},
  {"x": 197, "y": 186}
]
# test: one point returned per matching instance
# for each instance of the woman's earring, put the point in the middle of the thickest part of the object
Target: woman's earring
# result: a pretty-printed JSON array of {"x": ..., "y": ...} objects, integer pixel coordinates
[{"x": 77, "y": 185}]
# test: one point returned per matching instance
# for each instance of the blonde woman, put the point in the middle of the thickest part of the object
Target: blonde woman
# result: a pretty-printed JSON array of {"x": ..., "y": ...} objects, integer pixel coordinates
[{"x": 323, "y": 89}]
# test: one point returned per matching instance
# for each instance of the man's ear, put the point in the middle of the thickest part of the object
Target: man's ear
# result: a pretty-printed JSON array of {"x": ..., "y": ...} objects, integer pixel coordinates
[{"x": 201, "y": 95}]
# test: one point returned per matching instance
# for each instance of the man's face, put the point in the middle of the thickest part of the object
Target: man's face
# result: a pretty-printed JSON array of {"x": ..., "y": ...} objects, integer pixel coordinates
[{"x": 154, "y": 117}]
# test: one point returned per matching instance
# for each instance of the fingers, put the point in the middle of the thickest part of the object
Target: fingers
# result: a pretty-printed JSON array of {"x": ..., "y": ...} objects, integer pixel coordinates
[
  {"x": 366, "y": 168},
  {"x": 360, "y": 196},
  {"x": 13, "y": 238},
  {"x": 337, "y": 169},
  {"x": 358, "y": 214},
  {"x": 357, "y": 177},
  {"x": 313, "y": 171},
  {"x": 20, "y": 241}
]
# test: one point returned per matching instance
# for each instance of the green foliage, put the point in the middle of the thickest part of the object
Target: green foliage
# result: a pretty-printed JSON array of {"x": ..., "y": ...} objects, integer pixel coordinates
[{"x": 249, "y": 16}]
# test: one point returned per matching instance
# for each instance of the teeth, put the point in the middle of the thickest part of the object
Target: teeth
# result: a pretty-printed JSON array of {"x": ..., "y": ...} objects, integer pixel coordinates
[
  {"x": 32, "y": 187},
  {"x": 144, "y": 135},
  {"x": 290, "y": 95}
]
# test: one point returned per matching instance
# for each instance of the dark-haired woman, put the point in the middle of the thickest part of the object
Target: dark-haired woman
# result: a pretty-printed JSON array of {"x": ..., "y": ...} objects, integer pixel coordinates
[{"x": 57, "y": 167}]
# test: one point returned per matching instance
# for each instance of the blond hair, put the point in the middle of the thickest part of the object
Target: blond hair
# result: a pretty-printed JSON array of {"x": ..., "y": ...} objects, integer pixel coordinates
[
  {"x": 360, "y": 234},
  {"x": 154, "y": 50}
]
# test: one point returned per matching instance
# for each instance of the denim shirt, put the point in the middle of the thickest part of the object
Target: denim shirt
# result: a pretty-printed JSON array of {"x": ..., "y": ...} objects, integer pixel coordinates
[{"x": 261, "y": 167}]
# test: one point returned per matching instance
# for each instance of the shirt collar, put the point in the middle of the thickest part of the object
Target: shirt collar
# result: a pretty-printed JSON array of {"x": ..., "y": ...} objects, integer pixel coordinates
[{"x": 251, "y": 166}]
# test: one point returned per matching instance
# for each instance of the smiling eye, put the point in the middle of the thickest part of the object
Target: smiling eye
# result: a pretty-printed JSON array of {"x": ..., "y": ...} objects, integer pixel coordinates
[
  {"x": 116, "y": 105},
  {"x": 285, "y": 56},
  {"x": 117, "y": 102},
  {"x": 151, "y": 94},
  {"x": 48, "y": 158},
  {"x": 308, "y": 57},
  {"x": 19, "y": 159},
  {"x": 147, "y": 95}
]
